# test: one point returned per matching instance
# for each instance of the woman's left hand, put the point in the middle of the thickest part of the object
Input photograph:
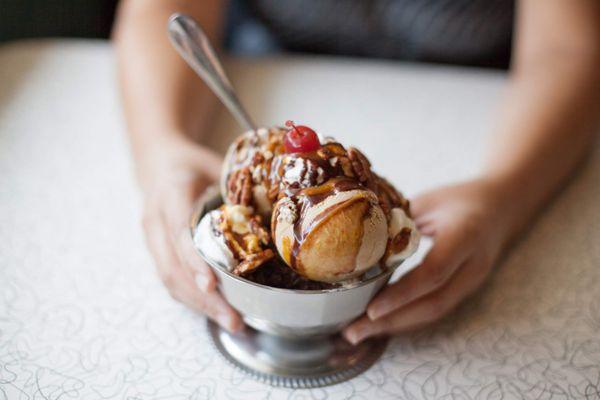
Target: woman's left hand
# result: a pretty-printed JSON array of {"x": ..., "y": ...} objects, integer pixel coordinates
[{"x": 470, "y": 226}]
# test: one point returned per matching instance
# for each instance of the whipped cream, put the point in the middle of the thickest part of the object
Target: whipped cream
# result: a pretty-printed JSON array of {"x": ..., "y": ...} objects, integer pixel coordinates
[
  {"x": 212, "y": 244},
  {"x": 398, "y": 221},
  {"x": 302, "y": 171}
]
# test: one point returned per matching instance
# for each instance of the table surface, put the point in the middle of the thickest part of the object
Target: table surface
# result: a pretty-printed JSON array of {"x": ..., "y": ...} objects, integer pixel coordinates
[{"x": 82, "y": 314}]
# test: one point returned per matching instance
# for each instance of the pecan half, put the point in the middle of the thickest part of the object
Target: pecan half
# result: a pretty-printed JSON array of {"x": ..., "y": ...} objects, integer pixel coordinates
[
  {"x": 362, "y": 168},
  {"x": 389, "y": 195},
  {"x": 257, "y": 159},
  {"x": 273, "y": 192},
  {"x": 258, "y": 229},
  {"x": 239, "y": 187},
  {"x": 346, "y": 166},
  {"x": 331, "y": 149}
]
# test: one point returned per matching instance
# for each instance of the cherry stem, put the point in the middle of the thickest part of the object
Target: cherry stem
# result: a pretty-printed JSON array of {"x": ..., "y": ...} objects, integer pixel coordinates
[{"x": 290, "y": 123}]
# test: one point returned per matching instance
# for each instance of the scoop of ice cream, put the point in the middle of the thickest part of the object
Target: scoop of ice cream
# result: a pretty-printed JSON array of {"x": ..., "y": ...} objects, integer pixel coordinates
[
  {"x": 251, "y": 155},
  {"x": 334, "y": 240}
]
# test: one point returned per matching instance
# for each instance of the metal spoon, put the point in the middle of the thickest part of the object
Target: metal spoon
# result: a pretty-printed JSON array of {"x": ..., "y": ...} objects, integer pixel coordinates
[{"x": 193, "y": 45}]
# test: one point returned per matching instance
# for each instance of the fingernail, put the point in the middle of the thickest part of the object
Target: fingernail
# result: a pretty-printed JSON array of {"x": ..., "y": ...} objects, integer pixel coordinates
[
  {"x": 377, "y": 311},
  {"x": 373, "y": 314},
  {"x": 202, "y": 283},
  {"x": 346, "y": 334},
  {"x": 354, "y": 336}
]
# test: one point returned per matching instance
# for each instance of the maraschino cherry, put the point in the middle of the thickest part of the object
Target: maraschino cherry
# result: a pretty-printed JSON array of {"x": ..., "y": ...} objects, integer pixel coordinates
[{"x": 300, "y": 139}]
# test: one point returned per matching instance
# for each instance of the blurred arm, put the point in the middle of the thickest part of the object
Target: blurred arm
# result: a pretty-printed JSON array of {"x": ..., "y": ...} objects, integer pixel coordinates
[
  {"x": 167, "y": 107},
  {"x": 550, "y": 114},
  {"x": 164, "y": 101}
]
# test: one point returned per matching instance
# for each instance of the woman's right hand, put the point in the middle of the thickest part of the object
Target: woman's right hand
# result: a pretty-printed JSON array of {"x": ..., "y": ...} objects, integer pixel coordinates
[{"x": 173, "y": 176}]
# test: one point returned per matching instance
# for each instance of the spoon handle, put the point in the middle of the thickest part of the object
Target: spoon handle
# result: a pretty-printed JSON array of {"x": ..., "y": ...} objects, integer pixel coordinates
[{"x": 193, "y": 45}]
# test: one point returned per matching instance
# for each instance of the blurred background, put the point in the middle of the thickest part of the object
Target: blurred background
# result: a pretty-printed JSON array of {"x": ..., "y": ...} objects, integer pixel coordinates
[{"x": 466, "y": 32}]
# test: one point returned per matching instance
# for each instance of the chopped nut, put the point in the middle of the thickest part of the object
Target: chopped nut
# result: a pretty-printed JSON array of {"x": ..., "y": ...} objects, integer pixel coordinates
[
  {"x": 259, "y": 230},
  {"x": 237, "y": 217},
  {"x": 257, "y": 158},
  {"x": 257, "y": 174},
  {"x": 332, "y": 149},
  {"x": 253, "y": 261},
  {"x": 388, "y": 194},
  {"x": 252, "y": 243},
  {"x": 362, "y": 168},
  {"x": 347, "y": 167},
  {"x": 239, "y": 187},
  {"x": 320, "y": 175},
  {"x": 384, "y": 203},
  {"x": 273, "y": 192},
  {"x": 235, "y": 247}
]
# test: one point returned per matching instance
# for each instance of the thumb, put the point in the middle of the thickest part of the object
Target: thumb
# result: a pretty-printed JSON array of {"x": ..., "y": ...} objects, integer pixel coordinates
[
  {"x": 423, "y": 203},
  {"x": 422, "y": 208},
  {"x": 209, "y": 162}
]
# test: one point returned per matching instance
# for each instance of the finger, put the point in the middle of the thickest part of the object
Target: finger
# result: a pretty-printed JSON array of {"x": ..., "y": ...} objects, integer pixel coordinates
[
  {"x": 423, "y": 311},
  {"x": 422, "y": 210},
  {"x": 426, "y": 228},
  {"x": 422, "y": 204},
  {"x": 203, "y": 275},
  {"x": 449, "y": 251},
  {"x": 179, "y": 203},
  {"x": 213, "y": 305},
  {"x": 181, "y": 282},
  {"x": 177, "y": 215},
  {"x": 158, "y": 244},
  {"x": 193, "y": 273}
]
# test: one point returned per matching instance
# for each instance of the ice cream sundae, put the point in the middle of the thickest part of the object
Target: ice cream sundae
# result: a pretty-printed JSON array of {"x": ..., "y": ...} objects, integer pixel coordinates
[{"x": 304, "y": 213}]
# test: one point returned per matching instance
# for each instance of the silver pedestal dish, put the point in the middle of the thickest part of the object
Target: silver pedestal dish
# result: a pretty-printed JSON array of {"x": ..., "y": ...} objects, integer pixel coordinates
[
  {"x": 293, "y": 336},
  {"x": 296, "y": 363}
]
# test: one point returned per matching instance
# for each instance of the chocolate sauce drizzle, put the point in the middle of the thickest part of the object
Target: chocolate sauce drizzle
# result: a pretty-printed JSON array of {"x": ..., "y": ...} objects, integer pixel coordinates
[{"x": 323, "y": 173}]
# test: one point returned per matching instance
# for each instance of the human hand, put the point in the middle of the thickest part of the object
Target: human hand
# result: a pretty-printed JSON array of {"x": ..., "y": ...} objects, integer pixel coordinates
[
  {"x": 469, "y": 231},
  {"x": 173, "y": 178}
]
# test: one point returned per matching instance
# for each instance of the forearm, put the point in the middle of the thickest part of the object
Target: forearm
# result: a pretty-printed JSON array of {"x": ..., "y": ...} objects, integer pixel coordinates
[
  {"x": 164, "y": 102},
  {"x": 546, "y": 127}
]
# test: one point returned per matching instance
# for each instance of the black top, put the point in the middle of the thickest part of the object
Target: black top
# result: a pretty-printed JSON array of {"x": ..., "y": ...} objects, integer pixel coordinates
[
  {"x": 56, "y": 18},
  {"x": 468, "y": 32},
  {"x": 471, "y": 32}
]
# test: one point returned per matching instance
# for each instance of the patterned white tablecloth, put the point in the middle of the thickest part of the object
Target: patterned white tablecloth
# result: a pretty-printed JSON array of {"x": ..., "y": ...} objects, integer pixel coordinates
[{"x": 83, "y": 316}]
